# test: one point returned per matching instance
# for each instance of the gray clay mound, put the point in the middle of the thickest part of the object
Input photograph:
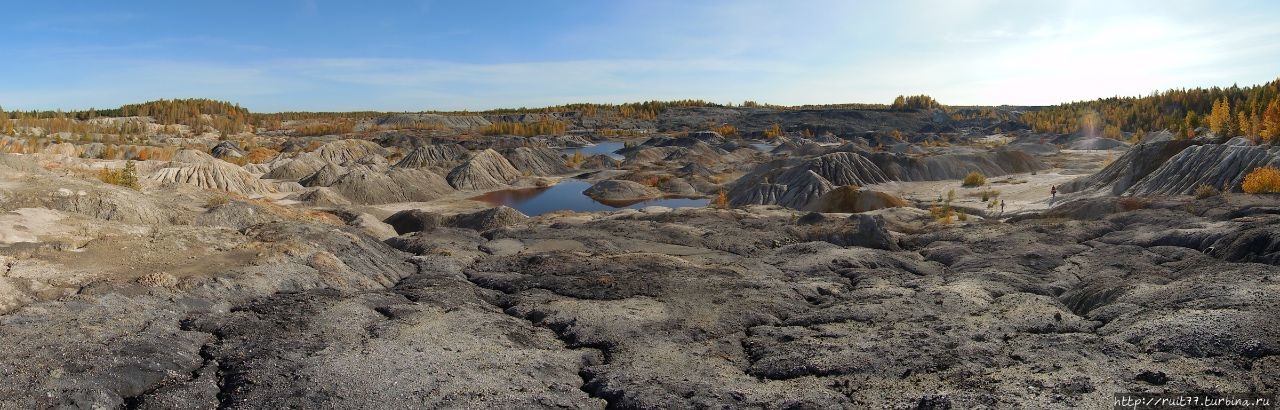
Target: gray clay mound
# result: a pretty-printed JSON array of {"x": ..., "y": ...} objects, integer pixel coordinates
[
  {"x": 803, "y": 189},
  {"x": 349, "y": 151},
  {"x": 344, "y": 152},
  {"x": 539, "y": 161},
  {"x": 325, "y": 176},
  {"x": 841, "y": 168},
  {"x": 370, "y": 186},
  {"x": 955, "y": 165},
  {"x": 600, "y": 161},
  {"x": 621, "y": 191},
  {"x": 486, "y": 170},
  {"x": 227, "y": 149},
  {"x": 435, "y": 155},
  {"x": 488, "y": 219},
  {"x": 1134, "y": 165},
  {"x": 209, "y": 173},
  {"x": 321, "y": 197},
  {"x": 1216, "y": 165}
]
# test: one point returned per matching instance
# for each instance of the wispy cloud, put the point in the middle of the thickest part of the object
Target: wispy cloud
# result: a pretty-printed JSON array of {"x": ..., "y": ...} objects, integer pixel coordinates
[{"x": 970, "y": 52}]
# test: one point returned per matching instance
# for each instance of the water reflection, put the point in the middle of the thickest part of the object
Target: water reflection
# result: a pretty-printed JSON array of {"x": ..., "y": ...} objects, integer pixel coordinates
[
  {"x": 567, "y": 195},
  {"x": 606, "y": 148},
  {"x": 763, "y": 146}
]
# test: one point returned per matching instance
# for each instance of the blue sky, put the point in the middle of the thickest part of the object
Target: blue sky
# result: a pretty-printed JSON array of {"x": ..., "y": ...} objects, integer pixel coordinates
[{"x": 318, "y": 55}]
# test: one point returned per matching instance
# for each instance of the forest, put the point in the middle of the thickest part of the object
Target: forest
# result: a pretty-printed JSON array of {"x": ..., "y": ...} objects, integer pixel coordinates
[{"x": 1234, "y": 111}]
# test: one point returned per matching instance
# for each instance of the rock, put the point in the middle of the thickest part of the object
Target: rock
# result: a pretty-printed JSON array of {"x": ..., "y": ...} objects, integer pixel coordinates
[
  {"x": 488, "y": 219},
  {"x": 853, "y": 199},
  {"x": 812, "y": 218},
  {"x": 872, "y": 233},
  {"x": 1150, "y": 377},
  {"x": 486, "y": 170},
  {"x": 414, "y": 220},
  {"x": 614, "y": 190}
]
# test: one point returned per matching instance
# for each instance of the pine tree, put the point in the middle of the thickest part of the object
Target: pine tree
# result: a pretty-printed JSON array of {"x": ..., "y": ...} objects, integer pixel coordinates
[{"x": 1271, "y": 122}]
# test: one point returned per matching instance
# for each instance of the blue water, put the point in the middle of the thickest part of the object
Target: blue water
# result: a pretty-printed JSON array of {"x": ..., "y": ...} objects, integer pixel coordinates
[
  {"x": 568, "y": 195},
  {"x": 763, "y": 147},
  {"x": 606, "y": 148}
]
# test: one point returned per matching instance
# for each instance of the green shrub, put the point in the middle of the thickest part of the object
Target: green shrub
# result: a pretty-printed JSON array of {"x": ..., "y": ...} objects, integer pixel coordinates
[
  {"x": 126, "y": 177},
  {"x": 974, "y": 178}
]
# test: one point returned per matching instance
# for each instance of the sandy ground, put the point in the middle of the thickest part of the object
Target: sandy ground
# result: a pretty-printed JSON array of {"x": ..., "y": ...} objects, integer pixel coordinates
[{"x": 1020, "y": 192}]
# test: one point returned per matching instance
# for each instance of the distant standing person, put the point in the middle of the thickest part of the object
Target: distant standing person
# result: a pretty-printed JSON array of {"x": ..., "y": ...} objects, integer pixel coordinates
[
  {"x": 1001, "y": 207},
  {"x": 1053, "y": 193}
]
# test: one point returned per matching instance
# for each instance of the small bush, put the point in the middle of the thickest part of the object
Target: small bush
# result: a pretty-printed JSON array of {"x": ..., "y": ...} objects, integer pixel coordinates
[
  {"x": 1133, "y": 203},
  {"x": 216, "y": 201},
  {"x": 721, "y": 201},
  {"x": 259, "y": 155},
  {"x": 126, "y": 177},
  {"x": 974, "y": 178},
  {"x": 1205, "y": 190},
  {"x": 1262, "y": 180},
  {"x": 576, "y": 160}
]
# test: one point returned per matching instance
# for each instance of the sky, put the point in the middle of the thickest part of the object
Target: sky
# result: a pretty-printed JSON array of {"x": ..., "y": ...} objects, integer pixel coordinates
[{"x": 319, "y": 55}]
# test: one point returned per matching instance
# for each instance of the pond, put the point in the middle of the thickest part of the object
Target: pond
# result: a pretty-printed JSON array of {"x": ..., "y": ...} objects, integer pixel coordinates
[
  {"x": 763, "y": 146},
  {"x": 567, "y": 195},
  {"x": 606, "y": 148}
]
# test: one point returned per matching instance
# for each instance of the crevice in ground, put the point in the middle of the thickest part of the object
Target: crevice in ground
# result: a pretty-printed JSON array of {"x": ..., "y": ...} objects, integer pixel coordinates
[
  {"x": 208, "y": 363},
  {"x": 591, "y": 384},
  {"x": 211, "y": 363}
]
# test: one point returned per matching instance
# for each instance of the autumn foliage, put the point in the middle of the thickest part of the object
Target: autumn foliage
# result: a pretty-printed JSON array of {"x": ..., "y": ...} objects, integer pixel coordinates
[{"x": 1262, "y": 180}]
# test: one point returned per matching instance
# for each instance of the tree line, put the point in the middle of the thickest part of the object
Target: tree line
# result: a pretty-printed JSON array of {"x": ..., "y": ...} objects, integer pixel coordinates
[{"x": 1233, "y": 111}]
